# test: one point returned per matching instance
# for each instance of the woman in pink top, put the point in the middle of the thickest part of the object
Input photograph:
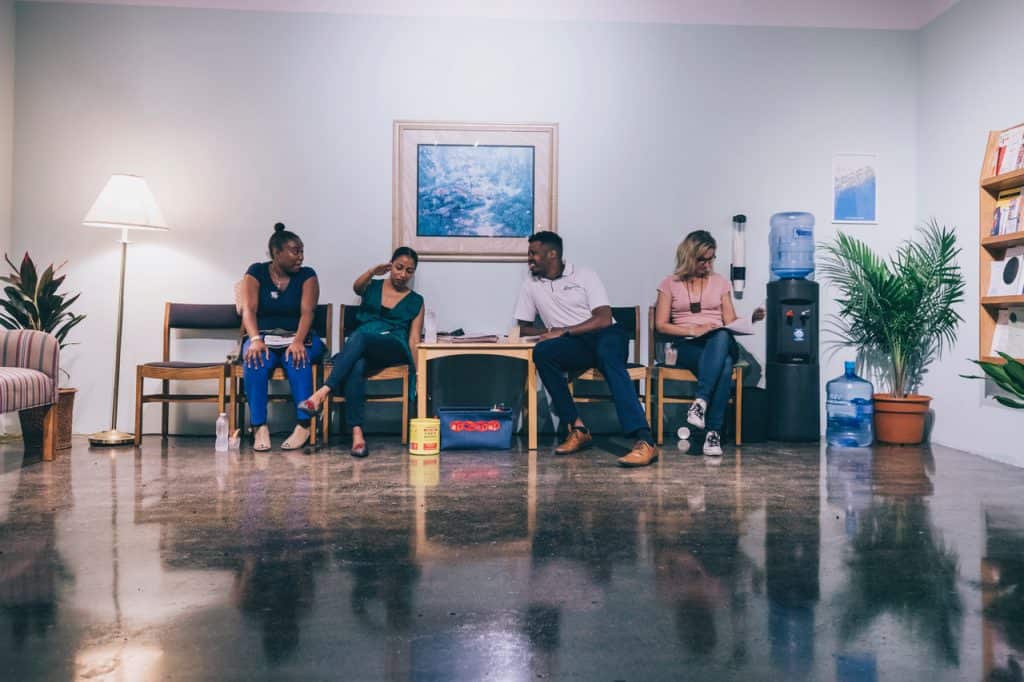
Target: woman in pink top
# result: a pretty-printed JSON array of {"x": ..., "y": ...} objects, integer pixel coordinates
[{"x": 694, "y": 304}]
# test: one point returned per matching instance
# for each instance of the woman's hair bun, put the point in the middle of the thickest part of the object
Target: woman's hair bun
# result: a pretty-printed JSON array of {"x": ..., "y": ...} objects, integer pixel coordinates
[{"x": 278, "y": 227}]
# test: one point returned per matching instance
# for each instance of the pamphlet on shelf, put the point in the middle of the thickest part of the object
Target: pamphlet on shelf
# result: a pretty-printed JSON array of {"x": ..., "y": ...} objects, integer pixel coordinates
[
  {"x": 1009, "y": 333},
  {"x": 1006, "y": 278},
  {"x": 1009, "y": 154},
  {"x": 1006, "y": 217}
]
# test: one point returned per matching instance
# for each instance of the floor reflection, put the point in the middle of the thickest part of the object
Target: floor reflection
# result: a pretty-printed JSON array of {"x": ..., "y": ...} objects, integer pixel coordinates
[
  {"x": 779, "y": 562},
  {"x": 701, "y": 572},
  {"x": 899, "y": 565},
  {"x": 1002, "y": 571},
  {"x": 275, "y": 576},
  {"x": 792, "y": 555},
  {"x": 32, "y": 569}
]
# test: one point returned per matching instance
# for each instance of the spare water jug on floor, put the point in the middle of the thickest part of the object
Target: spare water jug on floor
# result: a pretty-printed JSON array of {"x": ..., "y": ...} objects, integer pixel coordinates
[
  {"x": 791, "y": 241},
  {"x": 850, "y": 409}
]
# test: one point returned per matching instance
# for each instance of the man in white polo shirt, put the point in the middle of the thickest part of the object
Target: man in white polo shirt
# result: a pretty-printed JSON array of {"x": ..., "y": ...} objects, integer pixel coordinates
[{"x": 578, "y": 333}]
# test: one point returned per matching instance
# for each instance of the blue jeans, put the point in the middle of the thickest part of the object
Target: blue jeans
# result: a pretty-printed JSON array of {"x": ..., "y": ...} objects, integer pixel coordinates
[
  {"x": 363, "y": 353},
  {"x": 711, "y": 357},
  {"x": 300, "y": 380},
  {"x": 605, "y": 349}
]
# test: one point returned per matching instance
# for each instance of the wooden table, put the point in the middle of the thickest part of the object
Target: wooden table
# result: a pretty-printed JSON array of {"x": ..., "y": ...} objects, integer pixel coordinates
[{"x": 520, "y": 350}]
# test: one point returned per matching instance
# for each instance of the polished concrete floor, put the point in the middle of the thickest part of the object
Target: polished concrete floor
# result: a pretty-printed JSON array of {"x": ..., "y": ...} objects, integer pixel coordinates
[{"x": 772, "y": 563}]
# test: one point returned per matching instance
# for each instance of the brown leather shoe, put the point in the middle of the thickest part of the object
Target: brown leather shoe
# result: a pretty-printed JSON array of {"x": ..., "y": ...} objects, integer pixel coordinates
[
  {"x": 576, "y": 441},
  {"x": 641, "y": 455}
]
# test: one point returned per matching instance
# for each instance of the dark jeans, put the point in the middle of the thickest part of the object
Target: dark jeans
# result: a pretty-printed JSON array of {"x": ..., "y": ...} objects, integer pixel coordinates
[
  {"x": 711, "y": 357},
  {"x": 605, "y": 349},
  {"x": 362, "y": 354}
]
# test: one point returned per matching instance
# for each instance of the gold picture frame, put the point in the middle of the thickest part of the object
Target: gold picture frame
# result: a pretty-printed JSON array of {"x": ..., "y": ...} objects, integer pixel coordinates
[{"x": 473, "y": 191}]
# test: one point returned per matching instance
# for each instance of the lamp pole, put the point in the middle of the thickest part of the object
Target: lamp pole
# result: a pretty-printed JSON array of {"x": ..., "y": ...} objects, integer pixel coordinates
[{"x": 112, "y": 436}]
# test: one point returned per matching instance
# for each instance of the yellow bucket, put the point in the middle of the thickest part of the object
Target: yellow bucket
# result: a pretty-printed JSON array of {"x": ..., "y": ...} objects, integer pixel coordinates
[{"x": 424, "y": 436}]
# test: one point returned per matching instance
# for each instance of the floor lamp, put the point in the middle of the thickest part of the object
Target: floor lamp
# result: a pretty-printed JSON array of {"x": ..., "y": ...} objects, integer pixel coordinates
[{"x": 125, "y": 204}]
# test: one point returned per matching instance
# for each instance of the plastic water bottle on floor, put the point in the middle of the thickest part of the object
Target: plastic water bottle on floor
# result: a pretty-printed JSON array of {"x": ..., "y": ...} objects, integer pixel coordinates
[
  {"x": 222, "y": 433},
  {"x": 851, "y": 410}
]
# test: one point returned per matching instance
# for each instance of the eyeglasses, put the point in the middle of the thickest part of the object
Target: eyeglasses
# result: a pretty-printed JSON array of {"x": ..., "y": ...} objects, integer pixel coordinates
[{"x": 709, "y": 259}]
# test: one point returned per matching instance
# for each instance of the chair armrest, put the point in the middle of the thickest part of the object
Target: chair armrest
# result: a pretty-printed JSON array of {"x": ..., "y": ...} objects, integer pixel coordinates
[{"x": 30, "y": 349}]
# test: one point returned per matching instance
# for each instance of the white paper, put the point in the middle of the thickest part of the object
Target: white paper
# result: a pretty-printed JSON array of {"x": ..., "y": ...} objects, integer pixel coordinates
[
  {"x": 275, "y": 341},
  {"x": 741, "y": 326}
]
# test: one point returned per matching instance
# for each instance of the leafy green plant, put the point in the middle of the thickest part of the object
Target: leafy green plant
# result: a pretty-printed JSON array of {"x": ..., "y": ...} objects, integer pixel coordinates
[
  {"x": 1009, "y": 377},
  {"x": 902, "y": 310},
  {"x": 33, "y": 301}
]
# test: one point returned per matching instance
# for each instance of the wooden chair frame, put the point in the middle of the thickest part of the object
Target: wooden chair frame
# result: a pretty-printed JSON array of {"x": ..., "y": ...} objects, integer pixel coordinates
[
  {"x": 638, "y": 372},
  {"x": 238, "y": 399},
  {"x": 392, "y": 373},
  {"x": 165, "y": 371},
  {"x": 676, "y": 374}
]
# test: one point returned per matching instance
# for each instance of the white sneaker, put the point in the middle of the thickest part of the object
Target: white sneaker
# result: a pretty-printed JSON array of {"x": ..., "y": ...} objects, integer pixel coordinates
[
  {"x": 695, "y": 415},
  {"x": 713, "y": 444}
]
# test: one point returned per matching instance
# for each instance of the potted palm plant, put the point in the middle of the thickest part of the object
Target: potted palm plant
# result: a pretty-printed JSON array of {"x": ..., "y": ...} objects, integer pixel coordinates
[
  {"x": 900, "y": 315},
  {"x": 34, "y": 301}
]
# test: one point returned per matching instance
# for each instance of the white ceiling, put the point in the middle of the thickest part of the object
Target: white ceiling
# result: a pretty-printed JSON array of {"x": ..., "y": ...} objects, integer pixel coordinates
[{"x": 881, "y": 14}]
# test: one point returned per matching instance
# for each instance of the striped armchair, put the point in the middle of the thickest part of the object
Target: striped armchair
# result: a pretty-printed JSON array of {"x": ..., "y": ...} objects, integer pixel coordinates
[{"x": 29, "y": 378}]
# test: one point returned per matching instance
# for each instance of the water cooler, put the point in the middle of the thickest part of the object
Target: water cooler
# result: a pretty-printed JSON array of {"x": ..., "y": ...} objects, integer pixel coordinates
[{"x": 792, "y": 372}]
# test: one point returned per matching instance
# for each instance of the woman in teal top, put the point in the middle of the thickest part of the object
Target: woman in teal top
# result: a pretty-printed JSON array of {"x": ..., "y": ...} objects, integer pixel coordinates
[{"x": 390, "y": 320}]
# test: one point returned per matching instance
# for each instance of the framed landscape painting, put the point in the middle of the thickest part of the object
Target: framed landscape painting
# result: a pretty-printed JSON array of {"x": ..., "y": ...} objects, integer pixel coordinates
[
  {"x": 855, "y": 188},
  {"x": 473, "y": 191}
]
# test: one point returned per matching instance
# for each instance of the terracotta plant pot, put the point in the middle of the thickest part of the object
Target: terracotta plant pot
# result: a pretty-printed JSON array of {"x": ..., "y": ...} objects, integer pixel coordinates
[{"x": 900, "y": 421}]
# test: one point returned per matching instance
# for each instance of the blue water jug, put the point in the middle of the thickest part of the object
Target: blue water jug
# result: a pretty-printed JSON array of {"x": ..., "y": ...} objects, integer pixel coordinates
[
  {"x": 791, "y": 241},
  {"x": 850, "y": 408}
]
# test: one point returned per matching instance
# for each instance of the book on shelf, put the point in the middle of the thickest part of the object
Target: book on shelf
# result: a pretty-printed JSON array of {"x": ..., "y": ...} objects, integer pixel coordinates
[
  {"x": 1005, "y": 276},
  {"x": 1009, "y": 156},
  {"x": 1009, "y": 333},
  {"x": 1006, "y": 216}
]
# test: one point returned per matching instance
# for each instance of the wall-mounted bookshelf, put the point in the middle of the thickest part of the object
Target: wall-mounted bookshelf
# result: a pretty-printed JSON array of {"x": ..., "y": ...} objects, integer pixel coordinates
[{"x": 1002, "y": 179}]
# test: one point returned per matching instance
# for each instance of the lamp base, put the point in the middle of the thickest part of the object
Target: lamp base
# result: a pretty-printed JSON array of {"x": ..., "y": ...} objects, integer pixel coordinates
[{"x": 111, "y": 437}]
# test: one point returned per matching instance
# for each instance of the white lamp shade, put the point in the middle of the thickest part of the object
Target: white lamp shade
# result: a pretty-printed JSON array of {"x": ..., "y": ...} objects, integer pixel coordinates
[{"x": 126, "y": 203}]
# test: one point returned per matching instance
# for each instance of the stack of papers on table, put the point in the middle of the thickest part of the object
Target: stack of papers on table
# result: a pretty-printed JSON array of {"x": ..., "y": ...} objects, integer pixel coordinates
[{"x": 467, "y": 338}]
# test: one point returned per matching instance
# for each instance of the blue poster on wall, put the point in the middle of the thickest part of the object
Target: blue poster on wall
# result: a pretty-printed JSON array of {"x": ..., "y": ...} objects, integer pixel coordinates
[{"x": 854, "y": 188}]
